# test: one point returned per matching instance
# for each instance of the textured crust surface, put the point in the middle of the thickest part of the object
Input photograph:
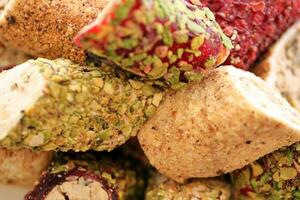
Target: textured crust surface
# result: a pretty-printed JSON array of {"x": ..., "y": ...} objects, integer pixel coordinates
[
  {"x": 22, "y": 167},
  {"x": 44, "y": 28},
  {"x": 166, "y": 189},
  {"x": 280, "y": 69},
  {"x": 10, "y": 57},
  {"x": 209, "y": 128}
]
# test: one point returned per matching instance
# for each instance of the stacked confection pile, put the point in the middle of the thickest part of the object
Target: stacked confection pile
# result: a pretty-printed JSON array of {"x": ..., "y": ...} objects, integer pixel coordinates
[{"x": 150, "y": 99}]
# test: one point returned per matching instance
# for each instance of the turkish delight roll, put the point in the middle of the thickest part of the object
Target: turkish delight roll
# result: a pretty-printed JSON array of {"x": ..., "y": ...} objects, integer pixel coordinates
[
  {"x": 22, "y": 167},
  {"x": 275, "y": 176},
  {"x": 163, "y": 188},
  {"x": 219, "y": 124},
  {"x": 252, "y": 25},
  {"x": 45, "y": 28},
  {"x": 89, "y": 176},
  {"x": 58, "y": 105},
  {"x": 157, "y": 39},
  {"x": 281, "y": 67}
]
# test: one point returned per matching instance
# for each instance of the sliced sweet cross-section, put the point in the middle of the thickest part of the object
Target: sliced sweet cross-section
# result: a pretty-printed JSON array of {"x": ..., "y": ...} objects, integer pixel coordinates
[{"x": 281, "y": 67}]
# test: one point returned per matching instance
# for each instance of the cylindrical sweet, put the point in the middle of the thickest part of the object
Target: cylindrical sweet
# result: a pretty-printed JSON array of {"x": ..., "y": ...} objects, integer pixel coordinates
[
  {"x": 45, "y": 28},
  {"x": 22, "y": 167},
  {"x": 157, "y": 39},
  {"x": 275, "y": 176},
  {"x": 163, "y": 188},
  {"x": 90, "y": 177},
  {"x": 219, "y": 124},
  {"x": 58, "y": 105},
  {"x": 253, "y": 25},
  {"x": 281, "y": 67}
]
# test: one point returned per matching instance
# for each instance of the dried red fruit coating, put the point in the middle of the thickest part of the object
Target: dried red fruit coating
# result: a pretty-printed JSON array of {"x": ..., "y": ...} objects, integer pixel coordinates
[
  {"x": 149, "y": 37},
  {"x": 258, "y": 23}
]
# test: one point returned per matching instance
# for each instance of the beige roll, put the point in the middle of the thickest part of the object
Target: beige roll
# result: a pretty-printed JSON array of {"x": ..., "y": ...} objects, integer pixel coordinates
[
  {"x": 22, "y": 167},
  {"x": 45, "y": 28},
  {"x": 214, "y": 126},
  {"x": 281, "y": 68}
]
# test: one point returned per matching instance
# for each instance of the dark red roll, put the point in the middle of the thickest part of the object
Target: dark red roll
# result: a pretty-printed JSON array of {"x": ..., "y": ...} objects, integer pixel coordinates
[{"x": 253, "y": 25}]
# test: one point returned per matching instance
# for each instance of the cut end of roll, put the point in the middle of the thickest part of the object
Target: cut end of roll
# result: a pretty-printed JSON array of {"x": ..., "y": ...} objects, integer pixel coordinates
[
  {"x": 76, "y": 184},
  {"x": 20, "y": 88},
  {"x": 263, "y": 97},
  {"x": 281, "y": 68}
]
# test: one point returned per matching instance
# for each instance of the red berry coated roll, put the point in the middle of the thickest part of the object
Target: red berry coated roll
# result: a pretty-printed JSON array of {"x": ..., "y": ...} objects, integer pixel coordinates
[
  {"x": 253, "y": 25},
  {"x": 155, "y": 38}
]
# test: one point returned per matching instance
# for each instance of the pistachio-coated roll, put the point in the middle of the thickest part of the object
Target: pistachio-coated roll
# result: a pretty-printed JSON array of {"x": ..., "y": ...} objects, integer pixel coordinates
[
  {"x": 45, "y": 28},
  {"x": 275, "y": 176},
  {"x": 155, "y": 39},
  {"x": 163, "y": 188},
  {"x": 59, "y": 105},
  {"x": 90, "y": 177},
  {"x": 22, "y": 167}
]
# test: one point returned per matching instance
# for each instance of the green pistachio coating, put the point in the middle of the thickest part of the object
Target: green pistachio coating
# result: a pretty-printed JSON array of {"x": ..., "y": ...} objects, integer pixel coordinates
[
  {"x": 121, "y": 177},
  {"x": 84, "y": 108},
  {"x": 273, "y": 177},
  {"x": 161, "y": 188}
]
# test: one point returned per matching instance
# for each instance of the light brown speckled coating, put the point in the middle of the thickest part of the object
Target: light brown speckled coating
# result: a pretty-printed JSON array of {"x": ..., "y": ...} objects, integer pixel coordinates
[
  {"x": 212, "y": 127},
  {"x": 45, "y": 28},
  {"x": 22, "y": 167}
]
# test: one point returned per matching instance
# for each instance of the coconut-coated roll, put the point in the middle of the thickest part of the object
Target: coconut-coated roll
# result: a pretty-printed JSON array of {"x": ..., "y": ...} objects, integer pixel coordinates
[
  {"x": 90, "y": 176},
  {"x": 275, "y": 176},
  {"x": 45, "y": 28},
  {"x": 219, "y": 124},
  {"x": 22, "y": 167},
  {"x": 173, "y": 40},
  {"x": 163, "y": 188},
  {"x": 281, "y": 67},
  {"x": 58, "y": 105}
]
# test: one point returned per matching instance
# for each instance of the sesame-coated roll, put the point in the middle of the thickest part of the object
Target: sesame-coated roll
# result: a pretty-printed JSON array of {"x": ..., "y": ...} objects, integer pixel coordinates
[
  {"x": 163, "y": 188},
  {"x": 45, "y": 28},
  {"x": 89, "y": 176},
  {"x": 58, "y": 105},
  {"x": 22, "y": 167},
  {"x": 156, "y": 39},
  {"x": 275, "y": 176},
  {"x": 219, "y": 124}
]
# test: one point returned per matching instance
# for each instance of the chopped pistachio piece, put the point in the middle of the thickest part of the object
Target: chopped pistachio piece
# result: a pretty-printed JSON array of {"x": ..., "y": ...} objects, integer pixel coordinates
[
  {"x": 163, "y": 188},
  {"x": 151, "y": 37},
  {"x": 275, "y": 176}
]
